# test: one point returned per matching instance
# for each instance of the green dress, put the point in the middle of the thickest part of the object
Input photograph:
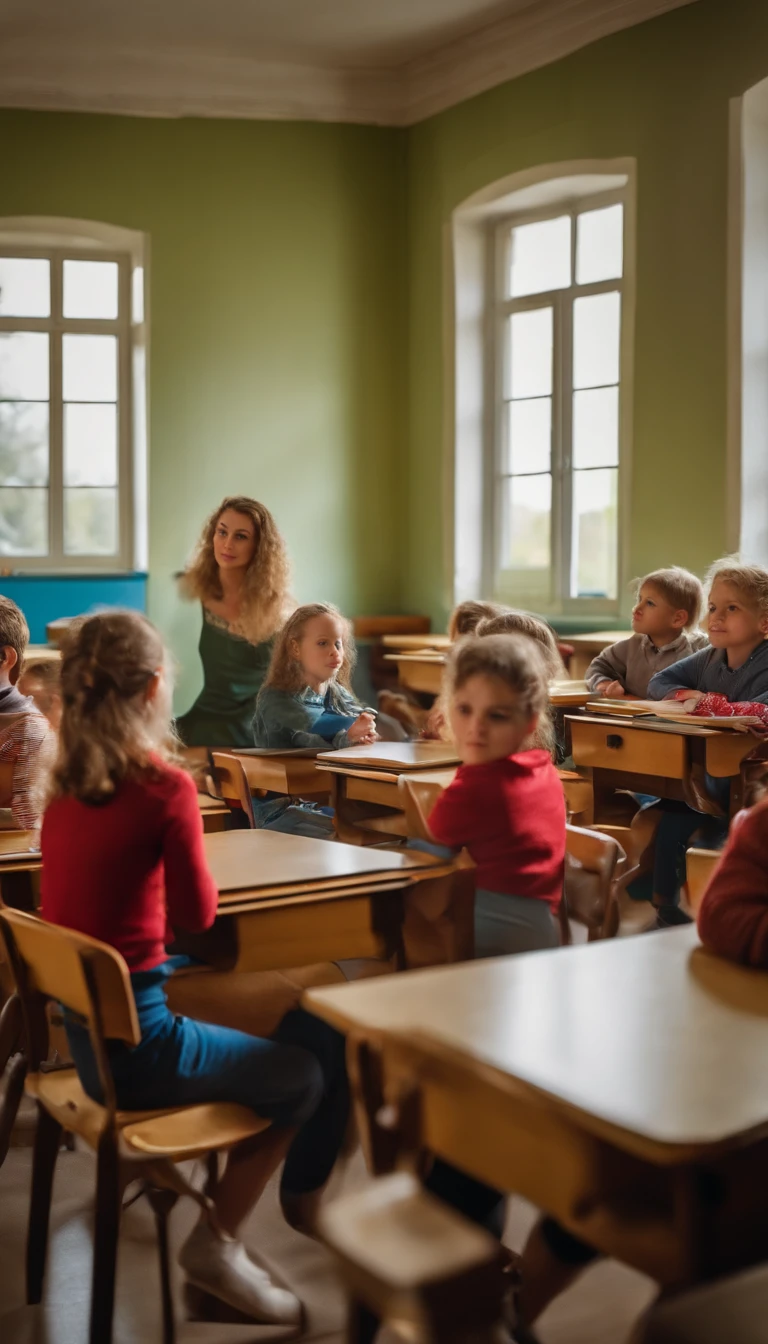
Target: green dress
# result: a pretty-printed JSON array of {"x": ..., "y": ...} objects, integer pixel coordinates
[{"x": 233, "y": 672}]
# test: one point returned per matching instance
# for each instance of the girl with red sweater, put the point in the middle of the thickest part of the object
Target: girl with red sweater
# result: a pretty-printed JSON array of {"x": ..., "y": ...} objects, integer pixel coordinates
[
  {"x": 123, "y": 859},
  {"x": 733, "y": 916}
]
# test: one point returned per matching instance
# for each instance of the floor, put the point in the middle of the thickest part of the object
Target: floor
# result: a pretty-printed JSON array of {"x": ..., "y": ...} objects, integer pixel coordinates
[{"x": 601, "y": 1309}]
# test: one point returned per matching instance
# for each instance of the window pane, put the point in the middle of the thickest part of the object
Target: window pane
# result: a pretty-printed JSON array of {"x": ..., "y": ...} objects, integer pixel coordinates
[
  {"x": 90, "y": 444},
  {"x": 23, "y": 366},
  {"x": 540, "y": 257},
  {"x": 530, "y": 435},
  {"x": 90, "y": 368},
  {"x": 90, "y": 289},
  {"x": 530, "y": 336},
  {"x": 23, "y": 442},
  {"x": 25, "y": 287},
  {"x": 23, "y": 522},
  {"x": 529, "y": 508},
  {"x": 90, "y": 522},
  {"x": 596, "y": 324},
  {"x": 595, "y": 534},
  {"x": 596, "y": 427},
  {"x": 137, "y": 294},
  {"x": 600, "y": 245}
]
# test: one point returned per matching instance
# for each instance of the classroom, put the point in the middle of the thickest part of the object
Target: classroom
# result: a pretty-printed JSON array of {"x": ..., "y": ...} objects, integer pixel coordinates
[{"x": 384, "y": 672}]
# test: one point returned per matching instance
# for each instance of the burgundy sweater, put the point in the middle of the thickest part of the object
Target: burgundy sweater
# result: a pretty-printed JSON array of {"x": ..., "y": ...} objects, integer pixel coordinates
[{"x": 733, "y": 917}]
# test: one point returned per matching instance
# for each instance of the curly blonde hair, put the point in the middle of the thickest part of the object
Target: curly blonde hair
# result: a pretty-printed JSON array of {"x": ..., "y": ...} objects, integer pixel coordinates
[
  {"x": 109, "y": 730},
  {"x": 749, "y": 580},
  {"x": 467, "y": 615},
  {"x": 513, "y": 622},
  {"x": 520, "y": 663},
  {"x": 285, "y": 671},
  {"x": 266, "y": 597}
]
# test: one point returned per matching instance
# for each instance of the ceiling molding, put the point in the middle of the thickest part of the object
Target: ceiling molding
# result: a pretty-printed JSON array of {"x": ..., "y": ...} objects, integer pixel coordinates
[{"x": 176, "y": 82}]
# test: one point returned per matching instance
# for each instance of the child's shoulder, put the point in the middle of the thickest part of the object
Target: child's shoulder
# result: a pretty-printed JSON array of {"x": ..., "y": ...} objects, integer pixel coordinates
[
  {"x": 164, "y": 780},
  {"x": 698, "y": 641}
]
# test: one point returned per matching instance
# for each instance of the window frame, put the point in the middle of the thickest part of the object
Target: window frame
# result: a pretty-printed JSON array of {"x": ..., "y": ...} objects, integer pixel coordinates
[
  {"x": 555, "y": 599},
  {"x": 56, "y": 326}
]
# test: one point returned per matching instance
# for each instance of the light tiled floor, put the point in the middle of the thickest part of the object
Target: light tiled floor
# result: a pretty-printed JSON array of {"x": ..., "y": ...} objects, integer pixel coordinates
[{"x": 601, "y": 1309}]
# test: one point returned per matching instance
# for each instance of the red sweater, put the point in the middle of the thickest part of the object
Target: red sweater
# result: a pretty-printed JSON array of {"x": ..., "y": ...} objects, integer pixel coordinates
[
  {"x": 115, "y": 871},
  {"x": 510, "y": 815},
  {"x": 733, "y": 917}
]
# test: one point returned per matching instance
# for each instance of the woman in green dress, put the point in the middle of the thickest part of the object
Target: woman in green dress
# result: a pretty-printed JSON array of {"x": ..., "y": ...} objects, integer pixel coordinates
[{"x": 240, "y": 575}]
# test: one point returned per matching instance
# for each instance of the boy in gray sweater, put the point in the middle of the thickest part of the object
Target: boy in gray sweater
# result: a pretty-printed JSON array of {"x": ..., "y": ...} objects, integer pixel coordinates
[{"x": 664, "y": 618}]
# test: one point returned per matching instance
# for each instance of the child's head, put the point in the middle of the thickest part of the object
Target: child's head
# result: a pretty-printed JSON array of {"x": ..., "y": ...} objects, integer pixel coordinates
[
  {"x": 41, "y": 680},
  {"x": 116, "y": 704},
  {"x": 241, "y": 535},
  {"x": 533, "y": 627},
  {"x": 314, "y": 646},
  {"x": 667, "y": 601},
  {"x": 14, "y": 638},
  {"x": 737, "y": 606},
  {"x": 466, "y": 617},
  {"x": 497, "y": 693}
]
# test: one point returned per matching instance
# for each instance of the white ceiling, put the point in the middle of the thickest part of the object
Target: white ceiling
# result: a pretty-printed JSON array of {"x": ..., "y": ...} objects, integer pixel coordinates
[{"x": 385, "y": 61}]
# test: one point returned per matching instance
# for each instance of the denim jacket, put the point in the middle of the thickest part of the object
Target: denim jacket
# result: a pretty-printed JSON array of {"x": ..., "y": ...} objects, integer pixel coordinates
[{"x": 286, "y": 719}]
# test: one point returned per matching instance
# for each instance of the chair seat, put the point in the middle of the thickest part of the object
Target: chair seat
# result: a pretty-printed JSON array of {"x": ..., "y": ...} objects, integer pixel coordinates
[{"x": 179, "y": 1133}]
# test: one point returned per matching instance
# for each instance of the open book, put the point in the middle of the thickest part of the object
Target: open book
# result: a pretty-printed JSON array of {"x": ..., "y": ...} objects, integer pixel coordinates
[{"x": 671, "y": 711}]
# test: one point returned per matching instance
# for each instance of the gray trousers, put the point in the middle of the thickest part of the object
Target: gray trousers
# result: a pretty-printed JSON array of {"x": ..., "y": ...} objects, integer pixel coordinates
[{"x": 507, "y": 924}]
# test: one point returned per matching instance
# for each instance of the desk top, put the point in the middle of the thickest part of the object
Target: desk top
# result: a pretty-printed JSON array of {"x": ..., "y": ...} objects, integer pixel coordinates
[
  {"x": 251, "y": 860},
  {"x": 392, "y": 756},
  {"x": 650, "y": 1037},
  {"x": 410, "y": 643}
]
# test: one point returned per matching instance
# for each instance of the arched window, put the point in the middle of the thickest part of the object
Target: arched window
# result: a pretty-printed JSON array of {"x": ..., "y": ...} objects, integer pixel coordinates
[{"x": 73, "y": 346}]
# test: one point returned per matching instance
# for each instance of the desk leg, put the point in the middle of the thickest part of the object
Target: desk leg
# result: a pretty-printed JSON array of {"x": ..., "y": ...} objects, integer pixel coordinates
[{"x": 439, "y": 920}]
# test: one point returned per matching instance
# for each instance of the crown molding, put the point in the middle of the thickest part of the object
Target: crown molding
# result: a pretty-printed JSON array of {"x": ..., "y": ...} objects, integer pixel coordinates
[{"x": 192, "y": 83}]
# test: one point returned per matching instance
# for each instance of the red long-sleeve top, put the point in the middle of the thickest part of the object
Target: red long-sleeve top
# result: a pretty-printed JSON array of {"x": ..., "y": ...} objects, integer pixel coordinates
[
  {"x": 124, "y": 870},
  {"x": 733, "y": 916}
]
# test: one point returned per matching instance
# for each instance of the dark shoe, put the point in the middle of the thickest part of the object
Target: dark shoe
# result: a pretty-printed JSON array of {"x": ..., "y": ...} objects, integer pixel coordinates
[{"x": 669, "y": 916}]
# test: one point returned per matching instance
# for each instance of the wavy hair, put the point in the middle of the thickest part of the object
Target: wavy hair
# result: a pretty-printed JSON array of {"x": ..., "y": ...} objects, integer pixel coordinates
[
  {"x": 533, "y": 627},
  {"x": 749, "y": 580},
  {"x": 109, "y": 730},
  {"x": 266, "y": 597},
  {"x": 467, "y": 615},
  {"x": 285, "y": 671}
]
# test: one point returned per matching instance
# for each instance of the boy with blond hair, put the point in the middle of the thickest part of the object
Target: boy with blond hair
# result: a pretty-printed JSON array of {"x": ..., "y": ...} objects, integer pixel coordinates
[{"x": 666, "y": 612}]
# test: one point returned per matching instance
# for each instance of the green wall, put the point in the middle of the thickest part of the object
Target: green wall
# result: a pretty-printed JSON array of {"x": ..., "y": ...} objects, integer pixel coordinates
[
  {"x": 659, "y": 93},
  {"x": 277, "y": 311}
]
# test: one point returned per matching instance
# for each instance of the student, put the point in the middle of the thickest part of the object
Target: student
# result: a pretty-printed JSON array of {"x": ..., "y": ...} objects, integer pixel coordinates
[
  {"x": 122, "y": 848},
  {"x": 466, "y": 617},
  {"x": 26, "y": 737},
  {"x": 40, "y": 681},
  {"x": 514, "y": 622},
  {"x": 733, "y": 916},
  {"x": 731, "y": 676},
  {"x": 506, "y": 803},
  {"x": 667, "y": 610},
  {"x": 307, "y": 698}
]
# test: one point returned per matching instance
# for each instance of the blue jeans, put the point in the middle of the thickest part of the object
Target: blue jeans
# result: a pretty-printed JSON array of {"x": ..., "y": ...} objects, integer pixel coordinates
[
  {"x": 297, "y": 1078},
  {"x": 676, "y": 828}
]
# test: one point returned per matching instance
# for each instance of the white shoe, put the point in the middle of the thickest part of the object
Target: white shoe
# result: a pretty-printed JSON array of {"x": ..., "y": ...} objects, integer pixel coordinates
[{"x": 220, "y": 1265}]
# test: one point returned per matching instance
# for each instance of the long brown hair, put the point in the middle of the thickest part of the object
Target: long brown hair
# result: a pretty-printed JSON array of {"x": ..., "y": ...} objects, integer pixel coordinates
[
  {"x": 285, "y": 671},
  {"x": 514, "y": 622},
  {"x": 109, "y": 730},
  {"x": 265, "y": 598}
]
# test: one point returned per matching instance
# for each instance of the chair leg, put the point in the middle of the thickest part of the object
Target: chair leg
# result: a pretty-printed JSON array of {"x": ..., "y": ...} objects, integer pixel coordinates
[
  {"x": 162, "y": 1201},
  {"x": 9, "y": 1107},
  {"x": 10, "y": 1028},
  {"x": 362, "y": 1325},
  {"x": 105, "y": 1234},
  {"x": 47, "y": 1142}
]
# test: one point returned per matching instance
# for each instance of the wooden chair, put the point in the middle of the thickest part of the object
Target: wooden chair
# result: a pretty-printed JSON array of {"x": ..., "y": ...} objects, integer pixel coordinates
[
  {"x": 591, "y": 861},
  {"x": 700, "y": 864},
  {"x": 92, "y": 980},
  {"x": 408, "y": 1259},
  {"x": 231, "y": 784}
]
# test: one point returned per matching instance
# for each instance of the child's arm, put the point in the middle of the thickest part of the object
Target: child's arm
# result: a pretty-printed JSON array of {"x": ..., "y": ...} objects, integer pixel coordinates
[
  {"x": 685, "y": 675},
  {"x": 461, "y": 815},
  {"x": 26, "y": 743},
  {"x": 607, "y": 673},
  {"x": 733, "y": 918},
  {"x": 191, "y": 895},
  {"x": 282, "y": 721}
]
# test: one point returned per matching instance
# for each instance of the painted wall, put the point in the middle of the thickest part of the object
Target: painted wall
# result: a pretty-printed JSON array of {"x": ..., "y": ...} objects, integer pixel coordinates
[
  {"x": 660, "y": 93},
  {"x": 277, "y": 312},
  {"x": 43, "y": 598}
]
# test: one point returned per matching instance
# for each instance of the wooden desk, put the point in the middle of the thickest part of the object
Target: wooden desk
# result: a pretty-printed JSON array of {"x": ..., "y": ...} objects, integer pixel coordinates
[
  {"x": 587, "y": 647},
  {"x": 421, "y": 672},
  {"x": 364, "y": 784},
  {"x": 289, "y": 772},
  {"x": 213, "y": 812},
  {"x": 289, "y": 901},
  {"x": 415, "y": 643},
  {"x": 622, "y": 754},
  {"x": 620, "y": 1086}
]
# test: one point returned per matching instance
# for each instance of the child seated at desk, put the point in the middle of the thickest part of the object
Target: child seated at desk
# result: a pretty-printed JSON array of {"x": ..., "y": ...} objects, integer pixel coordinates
[
  {"x": 26, "y": 737},
  {"x": 506, "y": 803},
  {"x": 729, "y": 677},
  {"x": 123, "y": 857},
  {"x": 667, "y": 610}
]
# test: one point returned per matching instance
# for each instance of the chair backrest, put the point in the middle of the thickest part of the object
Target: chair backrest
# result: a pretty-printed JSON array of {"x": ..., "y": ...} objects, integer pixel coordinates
[
  {"x": 87, "y": 976},
  {"x": 590, "y": 865},
  {"x": 232, "y": 783},
  {"x": 700, "y": 864}
]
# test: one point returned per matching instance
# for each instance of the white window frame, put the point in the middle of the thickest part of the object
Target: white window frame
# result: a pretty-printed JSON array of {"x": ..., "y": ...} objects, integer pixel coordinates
[
  {"x": 57, "y": 241},
  {"x": 509, "y": 584}
]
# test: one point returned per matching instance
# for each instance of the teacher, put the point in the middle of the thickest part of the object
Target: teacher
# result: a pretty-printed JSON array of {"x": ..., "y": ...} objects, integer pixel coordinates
[{"x": 240, "y": 574}]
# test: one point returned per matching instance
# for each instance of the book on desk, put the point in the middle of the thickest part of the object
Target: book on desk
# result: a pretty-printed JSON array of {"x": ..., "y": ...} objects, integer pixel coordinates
[{"x": 667, "y": 713}]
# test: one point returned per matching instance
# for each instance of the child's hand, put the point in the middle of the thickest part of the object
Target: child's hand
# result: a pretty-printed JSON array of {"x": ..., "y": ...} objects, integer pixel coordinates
[
  {"x": 689, "y": 698},
  {"x": 613, "y": 689},
  {"x": 363, "y": 730}
]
